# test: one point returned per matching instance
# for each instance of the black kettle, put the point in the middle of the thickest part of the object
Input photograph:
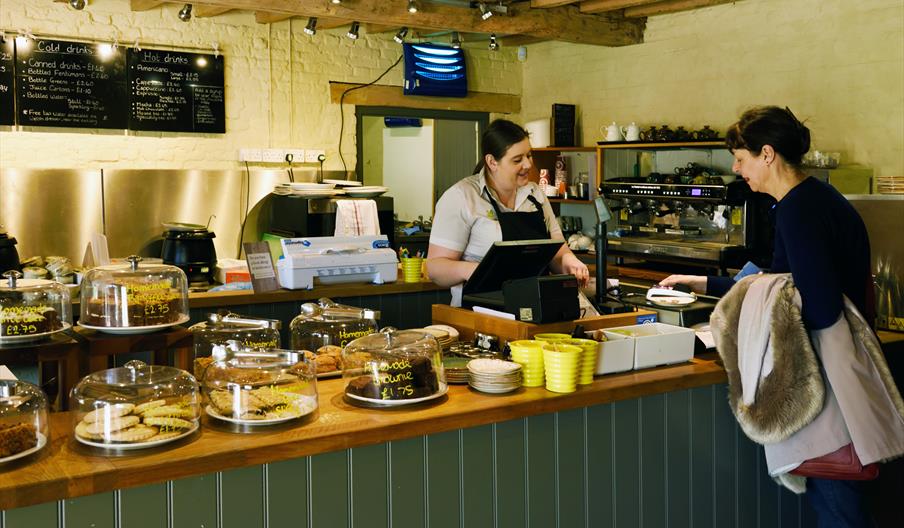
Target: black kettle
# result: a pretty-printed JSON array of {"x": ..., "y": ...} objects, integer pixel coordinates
[
  {"x": 9, "y": 257},
  {"x": 190, "y": 248}
]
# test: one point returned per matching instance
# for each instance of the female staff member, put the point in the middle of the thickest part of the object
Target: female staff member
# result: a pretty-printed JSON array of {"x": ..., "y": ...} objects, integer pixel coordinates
[
  {"x": 820, "y": 239},
  {"x": 496, "y": 203}
]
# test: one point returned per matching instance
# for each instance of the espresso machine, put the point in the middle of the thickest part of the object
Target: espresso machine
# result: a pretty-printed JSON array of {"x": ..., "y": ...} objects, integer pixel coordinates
[{"x": 712, "y": 222}]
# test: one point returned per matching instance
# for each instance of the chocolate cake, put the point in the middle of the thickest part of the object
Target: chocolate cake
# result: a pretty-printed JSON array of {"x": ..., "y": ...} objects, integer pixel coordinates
[
  {"x": 146, "y": 304},
  {"x": 28, "y": 320},
  {"x": 15, "y": 438},
  {"x": 399, "y": 379}
]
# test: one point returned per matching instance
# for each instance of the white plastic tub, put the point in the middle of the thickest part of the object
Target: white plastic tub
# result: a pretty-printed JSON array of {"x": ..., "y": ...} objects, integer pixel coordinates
[
  {"x": 613, "y": 356},
  {"x": 655, "y": 344}
]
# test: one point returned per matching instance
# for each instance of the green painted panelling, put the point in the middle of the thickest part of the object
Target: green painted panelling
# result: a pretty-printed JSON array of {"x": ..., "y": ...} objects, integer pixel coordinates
[
  {"x": 725, "y": 461},
  {"x": 541, "y": 470},
  {"x": 38, "y": 516},
  {"x": 144, "y": 507},
  {"x": 748, "y": 476},
  {"x": 443, "y": 480},
  {"x": 702, "y": 456},
  {"x": 626, "y": 451},
  {"x": 329, "y": 489},
  {"x": 600, "y": 489},
  {"x": 287, "y": 493},
  {"x": 652, "y": 461},
  {"x": 571, "y": 468},
  {"x": 511, "y": 474},
  {"x": 195, "y": 502},
  {"x": 242, "y": 491},
  {"x": 768, "y": 496},
  {"x": 678, "y": 464},
  {"x": 477, "y": 473},
  {"x": 789, "y": 506},
  {"x": 93, "y": 511},
  {"x": 370, "y": 497},
  {"x": 408, "y": 495}
]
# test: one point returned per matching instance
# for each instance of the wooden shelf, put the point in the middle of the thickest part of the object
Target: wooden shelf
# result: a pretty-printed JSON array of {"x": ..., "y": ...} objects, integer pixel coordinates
[
  {"x": 669, "y": 145},
  {"x": 564, "y": 149}
]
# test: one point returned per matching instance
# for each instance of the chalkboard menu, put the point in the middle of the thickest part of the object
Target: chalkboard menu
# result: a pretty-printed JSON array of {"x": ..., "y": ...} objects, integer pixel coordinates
[
  {"x": 176, "y": 92},
  {"x": 563, "y": 125},
  {"x": 7, "y": 96},
  {"x": 70, "y": 84}
]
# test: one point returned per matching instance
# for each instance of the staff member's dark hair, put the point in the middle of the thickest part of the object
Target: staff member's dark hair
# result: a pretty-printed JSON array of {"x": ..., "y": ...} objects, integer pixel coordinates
[
  {"x": 770, "y": 125},
  {"x": 496, "y": 140}
]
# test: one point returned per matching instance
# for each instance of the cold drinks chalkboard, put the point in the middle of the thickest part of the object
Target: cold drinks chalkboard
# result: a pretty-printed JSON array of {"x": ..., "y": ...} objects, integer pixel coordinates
[
  {"x": 7, "y": 96},
  {"x": 176, "y": 92},
  {"x": 70, "y": 84}
]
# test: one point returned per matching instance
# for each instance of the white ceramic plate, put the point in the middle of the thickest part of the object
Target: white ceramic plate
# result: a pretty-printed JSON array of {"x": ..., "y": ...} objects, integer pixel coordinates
[
  {"x": 42, "y": 441},
  {"x": 358, "y": 193},
  {"x": 133, "y": 330},
  {"x": 128, "y": 446},
  {"x": 214, "y": 414},
  {"x": 443, "y": 388},
  {"x": 306, "y": 186},
  {"x": 495, "y": 390},
  {"x": 32, "y": 337},
  {"x": 344, "y": 183},
  {"x": 451, "y": 330},
  {"x": 672, "y": 301}
]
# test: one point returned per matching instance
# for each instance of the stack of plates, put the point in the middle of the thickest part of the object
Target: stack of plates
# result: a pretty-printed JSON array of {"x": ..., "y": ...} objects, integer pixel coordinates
[
  {"x": 365, "y": 191},
  {"x": 456, "y": 369},
  {"x": 443, "y": 338},
  {"x": 308, "y": 190},
  {"x": 344, "y": 183},
  {"x": 890, "y": 184},
  {"x": 494, "y": 375}
]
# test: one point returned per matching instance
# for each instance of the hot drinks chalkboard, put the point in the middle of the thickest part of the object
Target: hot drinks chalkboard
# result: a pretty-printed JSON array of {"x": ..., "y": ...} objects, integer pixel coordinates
[
  {"x": 70, "y": 84},
  {"x": 7, "y": 96},
  {"x": 176, "y": 92}
]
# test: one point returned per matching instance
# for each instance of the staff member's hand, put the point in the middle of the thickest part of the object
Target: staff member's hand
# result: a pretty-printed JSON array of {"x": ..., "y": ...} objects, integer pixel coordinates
[
  {"x": 571, "y": 265},
  {"x": 697, "y": 283}
]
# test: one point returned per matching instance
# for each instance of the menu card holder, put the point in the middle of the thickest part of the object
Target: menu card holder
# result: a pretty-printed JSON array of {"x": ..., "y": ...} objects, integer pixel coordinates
[{"x": 260, "y": 265}]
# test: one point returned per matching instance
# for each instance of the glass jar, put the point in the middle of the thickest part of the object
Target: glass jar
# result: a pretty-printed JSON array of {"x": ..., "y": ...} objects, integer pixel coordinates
[
  {"x": 23, "y": 420},
  {"x": 393, "y": 367},
  {"x": 136, "y": 406},
  {"x": 133, "y": 296},
  {"x": 325, "y": 327},
  {"x": 32, "y": 309},
  {"x": 251, "y": 387},
  {"x": 224, "y": 326}
]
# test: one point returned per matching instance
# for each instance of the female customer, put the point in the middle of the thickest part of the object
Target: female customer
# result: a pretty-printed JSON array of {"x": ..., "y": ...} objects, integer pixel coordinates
[
  {"x": 496, "y": 203},
  {"x": 821, "y": 240}
]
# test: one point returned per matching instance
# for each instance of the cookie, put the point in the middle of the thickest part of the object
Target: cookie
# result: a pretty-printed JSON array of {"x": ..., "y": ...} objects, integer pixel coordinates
[
  {"x": 116, "y": 424},
  {"x": 170, "y": 423},
  {"x": 165, "y": 435},
  {"x": 138, "y": 433},
  {"x": 109, "y": 412},
  {"x": 149, "y": 405},
  {"x": 330, "y": 350},
  {"x": 171, "y": 411},
  {"x": 82, "y": 430}
]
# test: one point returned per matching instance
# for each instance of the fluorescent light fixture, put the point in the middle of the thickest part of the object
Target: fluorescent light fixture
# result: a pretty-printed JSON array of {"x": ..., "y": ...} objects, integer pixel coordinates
[
  {"x": 353, "y": 31},
  {"x": 185, "y": 13},
  {"x": 400, "y": 36},
  {"x": 311, "y": 27}
]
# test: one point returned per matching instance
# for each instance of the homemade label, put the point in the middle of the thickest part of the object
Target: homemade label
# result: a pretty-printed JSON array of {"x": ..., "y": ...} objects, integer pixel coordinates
[{"x": 400, "y": 390}]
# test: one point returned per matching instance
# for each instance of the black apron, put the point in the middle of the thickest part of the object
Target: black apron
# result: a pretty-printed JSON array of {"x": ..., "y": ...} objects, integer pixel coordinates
[{"x": 528, "y": 225}]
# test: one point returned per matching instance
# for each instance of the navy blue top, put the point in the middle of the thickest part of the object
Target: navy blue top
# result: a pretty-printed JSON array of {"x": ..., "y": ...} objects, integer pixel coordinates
[{"x": 821, "y": 239}]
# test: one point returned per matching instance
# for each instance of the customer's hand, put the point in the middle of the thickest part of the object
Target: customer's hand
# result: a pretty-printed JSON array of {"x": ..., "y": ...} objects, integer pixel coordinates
[
  {"x": 572, "y": 265},
  {"x": 697, "y": 283}
]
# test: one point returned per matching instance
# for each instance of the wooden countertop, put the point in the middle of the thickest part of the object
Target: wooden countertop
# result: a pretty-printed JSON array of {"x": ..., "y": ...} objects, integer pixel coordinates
[
  {"x": 67, "y": 469},
  {"x": 231, "y": 298}
]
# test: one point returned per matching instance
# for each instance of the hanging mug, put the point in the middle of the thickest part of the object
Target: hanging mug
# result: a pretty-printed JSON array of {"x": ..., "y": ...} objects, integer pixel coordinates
[{"x": 611, "y": 132}]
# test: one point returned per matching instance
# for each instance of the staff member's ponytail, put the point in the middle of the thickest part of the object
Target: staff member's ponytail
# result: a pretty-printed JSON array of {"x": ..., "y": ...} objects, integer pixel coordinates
[{"x": 499, "y": 136}]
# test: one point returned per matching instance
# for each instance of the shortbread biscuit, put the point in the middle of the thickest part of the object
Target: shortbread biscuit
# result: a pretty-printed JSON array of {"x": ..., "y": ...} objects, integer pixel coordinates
[
  {"x": 138, "y": 433},
  {"x": 171, "y": 423},
  {"x": 165, "y": 435},
  {"x": 82, "y": 430},
  {"x": 171, "y": 411},
  {"x": 144, "y": 407},
  {"x": 109, "y": 412},
  {"x": 116, "y": 424}
]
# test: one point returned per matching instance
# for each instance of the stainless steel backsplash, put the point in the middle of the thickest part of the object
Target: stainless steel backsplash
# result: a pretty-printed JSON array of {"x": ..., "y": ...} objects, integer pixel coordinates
[{"x": 55, "y": 211}]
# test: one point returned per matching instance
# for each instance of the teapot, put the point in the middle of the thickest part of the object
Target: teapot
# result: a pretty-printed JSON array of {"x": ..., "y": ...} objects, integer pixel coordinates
[
  {"x": 650, "y": 135},
  {"x": 631, "y": 132},
  {"x": 611, "y": 132},
  {"x": 681, "y": 134},
  {"x": 665, "y": 133},
  {"x": 706, "y": 133}
]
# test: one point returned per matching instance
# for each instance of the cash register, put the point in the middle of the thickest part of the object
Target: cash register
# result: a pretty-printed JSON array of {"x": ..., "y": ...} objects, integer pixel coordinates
[{"x": 510, "y": 278}]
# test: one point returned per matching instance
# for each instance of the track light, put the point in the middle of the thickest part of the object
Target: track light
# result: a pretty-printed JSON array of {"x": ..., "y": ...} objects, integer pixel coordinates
[
  {"x": 493, "y": 44},
  {"x": 311, "y": 28},
  {"x": 456, "y": 40},
  {"x": 78, "y": 5},
  {"x": 485, "y": 11},
  {"x": 412, "y": 6},
  {"x": 400, "y": 36},
  {"x": 185, "y": 13},
  {"x": 335, "y": 1},
  {"x": 353, "y": 31}
]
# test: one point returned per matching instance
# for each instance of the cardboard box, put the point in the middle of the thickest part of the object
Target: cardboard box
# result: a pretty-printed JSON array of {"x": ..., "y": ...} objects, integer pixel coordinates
[{"x": 655, "y": 343}]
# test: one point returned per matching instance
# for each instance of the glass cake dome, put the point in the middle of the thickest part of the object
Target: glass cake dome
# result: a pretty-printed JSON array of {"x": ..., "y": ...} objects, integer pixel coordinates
[
  {"x": 325, "y": 327},
  {"x": 393, "y": 367},
  {"x": 32, "y": 309},
  {"x": 224, "y": 326},
  {"x": 252, "y": 387},
  {"x": 136, "y": 406},
  {"x": 23, "y": 420},
  {"x": 133, "y": 298}
]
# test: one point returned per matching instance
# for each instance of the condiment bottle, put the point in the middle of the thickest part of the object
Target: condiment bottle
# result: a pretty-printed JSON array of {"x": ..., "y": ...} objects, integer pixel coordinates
[{"x": 561, "y": 176}]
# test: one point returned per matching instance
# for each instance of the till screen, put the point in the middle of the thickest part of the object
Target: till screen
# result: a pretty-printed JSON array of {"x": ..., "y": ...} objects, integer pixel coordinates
[{"x": 696, "y": 192}]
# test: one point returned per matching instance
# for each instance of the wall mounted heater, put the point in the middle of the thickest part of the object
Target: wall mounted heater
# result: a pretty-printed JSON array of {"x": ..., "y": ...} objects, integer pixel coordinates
[{"x": 435, "y": 70}]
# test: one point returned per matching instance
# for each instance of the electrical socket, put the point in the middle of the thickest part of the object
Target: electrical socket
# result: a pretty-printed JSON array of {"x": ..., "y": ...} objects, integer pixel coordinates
[
  {"x": 310, "y": 155},
  {"x": 274, "y": 156},
  {"x": 251, "y": 155},
  {"x": 297, "y": 155}
]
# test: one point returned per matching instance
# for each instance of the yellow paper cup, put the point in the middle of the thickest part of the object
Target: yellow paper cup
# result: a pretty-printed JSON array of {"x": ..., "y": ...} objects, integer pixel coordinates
[
  {"x": 551, "y": 337},
  {"x": 411, "y": 269}
]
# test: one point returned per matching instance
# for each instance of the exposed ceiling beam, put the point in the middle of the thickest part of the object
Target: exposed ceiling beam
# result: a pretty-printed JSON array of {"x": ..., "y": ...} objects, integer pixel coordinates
[
  {"x": 519, "y": 40},
  {"x": 377, "y": 28},
  {"x": 559, "y": 23},
  {"x": 266, "y": 17},
  {"x": 209, "y": 11},
  {"x": 671, "y": 6},
  {"x": 332, "y": 23},
  {"x": 603, "y": 6},
  {"x": 145, "y": 5},
  {"x": 551, "y": 3}
]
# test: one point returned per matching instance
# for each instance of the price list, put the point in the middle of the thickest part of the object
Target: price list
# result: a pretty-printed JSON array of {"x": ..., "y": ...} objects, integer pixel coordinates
[
  {"x": 70, "y": 84},
  {"x": 176, "y": 92},
  {"x": 7, "y": 95}
]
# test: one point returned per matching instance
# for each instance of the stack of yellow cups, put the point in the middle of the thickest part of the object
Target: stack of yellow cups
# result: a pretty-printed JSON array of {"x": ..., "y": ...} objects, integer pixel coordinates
[
  {"x": 587, "y": 365},
  {"x": 561, "y": 363},
  {"x": 552, "y": 338},
  {"x": 411, "y": 269},
  {"x": 529, "y": 354}
]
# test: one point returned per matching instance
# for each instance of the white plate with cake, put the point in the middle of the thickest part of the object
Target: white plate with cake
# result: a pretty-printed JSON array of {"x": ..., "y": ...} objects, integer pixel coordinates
[
  {"x": 128, "y": 446},
  {"x": 304, "y": 406},
  {"x": 32, "y": 337},
  {"x": 42, "y": 441},
  {"x": 133, "y": 330},
  {"x": 443, "y": 388}
]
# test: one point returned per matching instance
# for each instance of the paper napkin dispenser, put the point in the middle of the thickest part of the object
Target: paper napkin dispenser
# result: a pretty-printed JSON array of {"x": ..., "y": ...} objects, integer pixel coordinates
[{"x": 547, "y": 299}]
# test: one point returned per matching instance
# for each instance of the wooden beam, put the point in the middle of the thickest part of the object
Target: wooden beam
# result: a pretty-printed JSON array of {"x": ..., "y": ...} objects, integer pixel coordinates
[
  {"x": 384, "y": 95},
  {"x": 519, "y": 40},
  {"x": 671, "y": 6},
  {"x": 332, "y": 23},
  {"x": 266, "y": 17},
  {"x": 209, "y": 11},
  {"x": 604, "y": 6},
  {"x": 145, "y": 5},
  {"x": 377, "y": 28},
  {"x": 551, "y": 3},
  {"x": 558, "y": 23}
]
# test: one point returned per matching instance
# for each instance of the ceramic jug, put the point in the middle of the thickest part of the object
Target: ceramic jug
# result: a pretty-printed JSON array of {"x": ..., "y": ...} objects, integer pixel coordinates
[
  {"x": 611, "y": 132},
  {"x": 631, "y": 132}
]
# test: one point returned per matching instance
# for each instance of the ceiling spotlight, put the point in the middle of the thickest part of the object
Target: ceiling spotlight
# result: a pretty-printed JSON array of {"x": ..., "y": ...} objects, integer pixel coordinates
[
  {"x": 493, "y": 44},
  {"x": 335, "y": 1},
  {"x": 485, "y": 11},
  {"x": 311, "y": 28},
  {"x": 78, "y": 5},
  {"x": 353, "y": 31},
  {"x": 412, "y": 6},
  {"x": 185, "y": 13},
  {"x": 456, "y": 40},
  {"x": 400, "y": 36}
]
